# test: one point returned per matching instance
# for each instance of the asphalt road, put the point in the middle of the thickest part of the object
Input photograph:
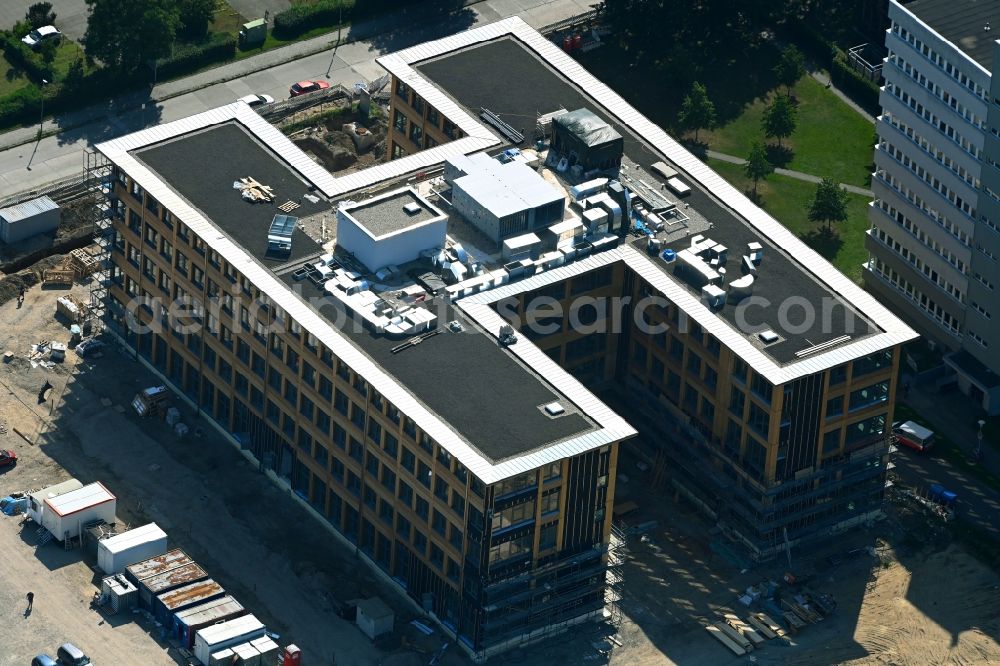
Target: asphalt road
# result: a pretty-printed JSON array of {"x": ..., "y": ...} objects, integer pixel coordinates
[
  {"x": 32, "y": 164},
  {"x": 977, "y": 502}
]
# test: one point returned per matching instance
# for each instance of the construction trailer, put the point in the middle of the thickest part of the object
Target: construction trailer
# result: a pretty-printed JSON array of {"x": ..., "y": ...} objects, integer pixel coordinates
[
  {"x": 64, "y": 515},
  {"x": 219, "y": 637},
  {"x": 36, "y": 500},
  {"x": 156, "y": 566},
  {"x": 186, "y": 623},
  {"x": 168, "y": 604},
  {"x": 151, "y": 588},
  {"x": 117, "y": 552},
  {"x": 28, "y": 218},
  {"x": 120, "y": 593}
]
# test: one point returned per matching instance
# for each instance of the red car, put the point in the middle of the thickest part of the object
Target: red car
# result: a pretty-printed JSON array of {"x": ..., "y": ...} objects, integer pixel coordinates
[
  {"x": 303, "y": 87},
  {"x": 7, "y": 458}
]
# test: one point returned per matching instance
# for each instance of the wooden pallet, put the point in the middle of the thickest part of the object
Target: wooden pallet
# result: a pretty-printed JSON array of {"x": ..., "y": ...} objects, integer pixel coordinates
[
  {"x": 717, "y": 633},
  {"x": 83, "y": 262},
  {"x": 53, "y": 276}
]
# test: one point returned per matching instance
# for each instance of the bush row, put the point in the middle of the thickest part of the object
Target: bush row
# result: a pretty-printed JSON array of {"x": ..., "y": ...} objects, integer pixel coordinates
[
  {"x": 20, "y": 56},
  {"x": 221, "y": 47},
  {"x": 853, "y": 84},
  {"x": 299, "y": 19}
]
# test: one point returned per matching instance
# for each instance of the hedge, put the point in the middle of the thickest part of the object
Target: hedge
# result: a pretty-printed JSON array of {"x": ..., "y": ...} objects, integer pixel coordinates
[
  {"x": 299, "y": 19},
  {"x": 20, "y": 106},
  {"x": 855, "y": 86},
  {"x": 221, "y": 47},
  {"x": 20, "y": 56}
]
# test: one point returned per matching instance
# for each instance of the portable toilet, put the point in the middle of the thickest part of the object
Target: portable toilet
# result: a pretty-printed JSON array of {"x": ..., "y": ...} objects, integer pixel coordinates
[{"x": 253, "y": 34}]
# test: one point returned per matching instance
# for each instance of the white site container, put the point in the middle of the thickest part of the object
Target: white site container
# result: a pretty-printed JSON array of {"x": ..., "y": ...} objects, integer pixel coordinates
[
  {"x": 121, "y": 550},
  {"x": 220, "y": 636},
  {"x": 63, "y": 515},
  {"x": 36, "y": 501}
]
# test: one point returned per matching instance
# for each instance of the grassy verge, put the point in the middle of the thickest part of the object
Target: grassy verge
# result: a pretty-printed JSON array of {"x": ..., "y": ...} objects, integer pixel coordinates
[
  {"x": 831, "y": 139},
  {"x": 273, "y": 42},
  {"x": 788, "y": 200},
  {"x": 947, "y": 450}
]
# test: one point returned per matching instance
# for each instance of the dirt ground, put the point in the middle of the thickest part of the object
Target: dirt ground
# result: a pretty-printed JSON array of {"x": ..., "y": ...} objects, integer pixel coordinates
[{"x": 246, "y": 532}]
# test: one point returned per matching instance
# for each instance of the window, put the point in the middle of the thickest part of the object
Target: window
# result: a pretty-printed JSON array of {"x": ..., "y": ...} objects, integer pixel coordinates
[
  {"x": 550, "y": 501},
  {"x": 865, "y": 431},
  {"x": 418, "y": 104},
  {"x": 354, "y": 483},
  {"x": 405, "y": 494},
  {"x": 408, "y": 460},
  {"x": 385, "y": 512},
  {"x": 433, "y": 117},
  {"x": 388, "y": 478},
  {"x": 831, "y": 442},
  {"x": 399, "y": 122},
  {"x": 321, "y": 455},
  {"x": 458, "y": 504},
  {"x": 868, "y": 396},
  {"x": 370, "y": 498},
  {"x": 547, "y": 536},
  {"x": 759, "y": 420},
  {"x": 306, "y": 407},
  {"x": 419, "y": 542},
  {"x": 835, "y": 406},
  {"x": 552, "y": 470},
  {"x": 514, "y": 515},
  {"x": 455, "y": 538},
  {"x": 390, "y": 445},
  {"x": 737, "y": 400},
  {"x": 371, "y": 464},
  {"x": 872, "y": 363},
  {"x": 441, "y": 489},
  {"x": 424, "y": 474},
  {"x": 762, "y": 388},
  {"x": 402, "y": 528},
  {"x": 422, "y": 508},
  {"x": 357, "y": 450},
  {"x": 375, "y": 432},
  {"x": 740, "y": 370},
  {"x": 454, "y": 571},
  {"x": 438, "y": 523},
  {"x": 516, "y": 484},
  {"x": 510, "y": 549},
  {"x": 437, "y": 557}
]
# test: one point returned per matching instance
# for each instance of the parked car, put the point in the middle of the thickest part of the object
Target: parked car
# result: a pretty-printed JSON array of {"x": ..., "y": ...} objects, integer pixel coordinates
[
  {"x": 43, "y": 660},
  {"x": 71, "y": 655},
  {"x": 256, "y": 100},
  {"x": 304, "y": 87},
  {"x": 43, "y": 34},
  {"x": 7, "y": 458},
  {"x": 912, "y": 435}
]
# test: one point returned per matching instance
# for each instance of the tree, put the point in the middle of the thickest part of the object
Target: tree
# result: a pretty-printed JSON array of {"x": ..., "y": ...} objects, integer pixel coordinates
[
  {"x": 697, "y": 110},
  {"x": 790, "y": 68},
  {"x": 195, "y": 15},
  {"x": 757, "y": 166},
  {"x": 779, "y": 118},
  {"x": 40, "y": 14},
  {"x": 829, "y": 204},
  {"x": 124, "y": 34}
]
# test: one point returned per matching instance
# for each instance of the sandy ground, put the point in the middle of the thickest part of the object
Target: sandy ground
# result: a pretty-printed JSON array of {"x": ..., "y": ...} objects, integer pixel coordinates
[{"x": 246, "y": 532}]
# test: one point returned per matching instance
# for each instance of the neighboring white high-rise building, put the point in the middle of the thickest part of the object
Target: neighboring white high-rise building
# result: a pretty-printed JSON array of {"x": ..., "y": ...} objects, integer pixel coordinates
[{"x": 935, "y": 233}]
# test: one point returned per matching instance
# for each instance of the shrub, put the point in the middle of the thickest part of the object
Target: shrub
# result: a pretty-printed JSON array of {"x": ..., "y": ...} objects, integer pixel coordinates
[
  {"x": 190, "y": 57},
  {"x": 301, "y": 18},
  {"x": 853, "y": 84},
  {"x": 20, "y": 106},
  {"x": 20, "y": 56}
]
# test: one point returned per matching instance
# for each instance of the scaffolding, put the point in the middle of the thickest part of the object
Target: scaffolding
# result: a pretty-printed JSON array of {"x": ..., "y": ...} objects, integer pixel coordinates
[
  {"x": 615, "y": 591},
  {"x": 97, "y": 178}
]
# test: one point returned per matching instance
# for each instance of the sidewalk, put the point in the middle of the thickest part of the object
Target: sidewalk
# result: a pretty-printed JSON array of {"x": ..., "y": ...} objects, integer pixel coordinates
[{"x": 732, "y": 159}]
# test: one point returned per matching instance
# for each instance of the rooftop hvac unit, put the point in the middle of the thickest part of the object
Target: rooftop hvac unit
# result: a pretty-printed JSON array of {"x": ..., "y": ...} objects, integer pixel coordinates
[{"x": 279, "y": 236}]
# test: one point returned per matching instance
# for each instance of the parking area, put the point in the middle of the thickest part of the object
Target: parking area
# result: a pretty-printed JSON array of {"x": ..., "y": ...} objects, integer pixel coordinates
[
  {"x": 253, "y": 538},
  {"x": 71, "y": 15}
]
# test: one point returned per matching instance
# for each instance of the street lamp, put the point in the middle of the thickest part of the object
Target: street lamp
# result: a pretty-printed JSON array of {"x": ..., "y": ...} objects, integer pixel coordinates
[
  {"x": 41, "y": 111},
  {"x": 979, "y": 443}
]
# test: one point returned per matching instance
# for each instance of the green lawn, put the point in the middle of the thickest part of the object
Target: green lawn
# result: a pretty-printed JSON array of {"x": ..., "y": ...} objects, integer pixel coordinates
[
  {"x": 788, "y": 200},
  {"x": 273, "y": 42},
  {"x": 10, "y": 80},
  {"x": 831, "y": 140}
]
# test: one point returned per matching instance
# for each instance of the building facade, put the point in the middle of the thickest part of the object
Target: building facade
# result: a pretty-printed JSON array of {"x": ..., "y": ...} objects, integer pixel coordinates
[
  {"x": 475, "y": 471},
  {"x": 934, "y": 235}
]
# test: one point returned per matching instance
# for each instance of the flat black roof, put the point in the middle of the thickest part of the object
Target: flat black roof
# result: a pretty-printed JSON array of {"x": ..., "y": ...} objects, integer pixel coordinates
[
  {"x": 531, "y": 88},
  {"x": 964, "y": 24},
  {"x": 483, "y": 392},
  {"x": 202, "y": 167},
  {"x": 386, "y": 216}
]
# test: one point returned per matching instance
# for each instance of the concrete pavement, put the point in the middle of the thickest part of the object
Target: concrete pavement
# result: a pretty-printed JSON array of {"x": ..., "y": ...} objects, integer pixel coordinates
[{"x": 61, "y": 156}]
